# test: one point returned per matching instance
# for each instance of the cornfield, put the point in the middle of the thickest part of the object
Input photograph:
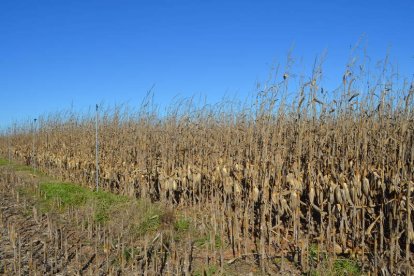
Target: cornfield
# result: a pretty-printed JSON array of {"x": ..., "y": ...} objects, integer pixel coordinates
[{"x": 272, "y": 178}]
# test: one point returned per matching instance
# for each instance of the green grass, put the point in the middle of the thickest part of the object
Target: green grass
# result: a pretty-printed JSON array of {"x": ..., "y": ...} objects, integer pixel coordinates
[
  {"x": 345, "y": 266},
  {"x": 104, "y": 202},
  {"x": 149, "y": 221},
  {"x": 341, "y": 266},
  {"x": 20, "y": 167},
  {"x": 57, "y": 196},
  {"x": 182, "y": 224},
  {"x": 129, "y": 252},
  {"x": 204, "y": 240},
  {"x": 143, "y": 216},
  {"x": 24, "y": 168},
  {"x": 3, "y": 162},
  {"x": 14, "y": 166},
  {"x": 323, "y": 265},
  {"x": 67, "y": 194},
  {"x": 316, "y": 255}
]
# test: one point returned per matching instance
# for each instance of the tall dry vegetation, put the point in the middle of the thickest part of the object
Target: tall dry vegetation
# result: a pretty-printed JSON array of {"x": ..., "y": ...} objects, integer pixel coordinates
[{"x": 290, "y": 171}]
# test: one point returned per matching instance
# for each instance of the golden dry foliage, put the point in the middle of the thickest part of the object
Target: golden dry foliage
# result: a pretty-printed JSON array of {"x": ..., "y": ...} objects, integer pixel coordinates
[{"x": 274, "y": 177}]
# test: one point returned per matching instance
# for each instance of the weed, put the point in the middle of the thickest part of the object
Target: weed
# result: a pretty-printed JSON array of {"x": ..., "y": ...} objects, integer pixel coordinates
[
  {"x": 182, "y": 224},
  {"x": 104, "y": 202},
  {"x": 57, "y": 196},
  {"x": 3, "y": 162},
  {"x": 149, "y": 221},
  {"x": 129, "y": 253},
  {"x": 340, "y": 266},
  {"x": 204, "y": 240},
  {"x": 345, "y": 266},
  {"x": 62, "y": 195}
]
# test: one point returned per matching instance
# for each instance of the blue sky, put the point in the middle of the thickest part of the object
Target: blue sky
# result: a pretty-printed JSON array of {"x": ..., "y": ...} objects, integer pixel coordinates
[{"x": 56, "y": 53}]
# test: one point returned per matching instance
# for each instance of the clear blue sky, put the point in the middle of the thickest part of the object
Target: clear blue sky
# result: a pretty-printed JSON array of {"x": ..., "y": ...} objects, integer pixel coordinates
[{"x": 55, "y": 53}]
